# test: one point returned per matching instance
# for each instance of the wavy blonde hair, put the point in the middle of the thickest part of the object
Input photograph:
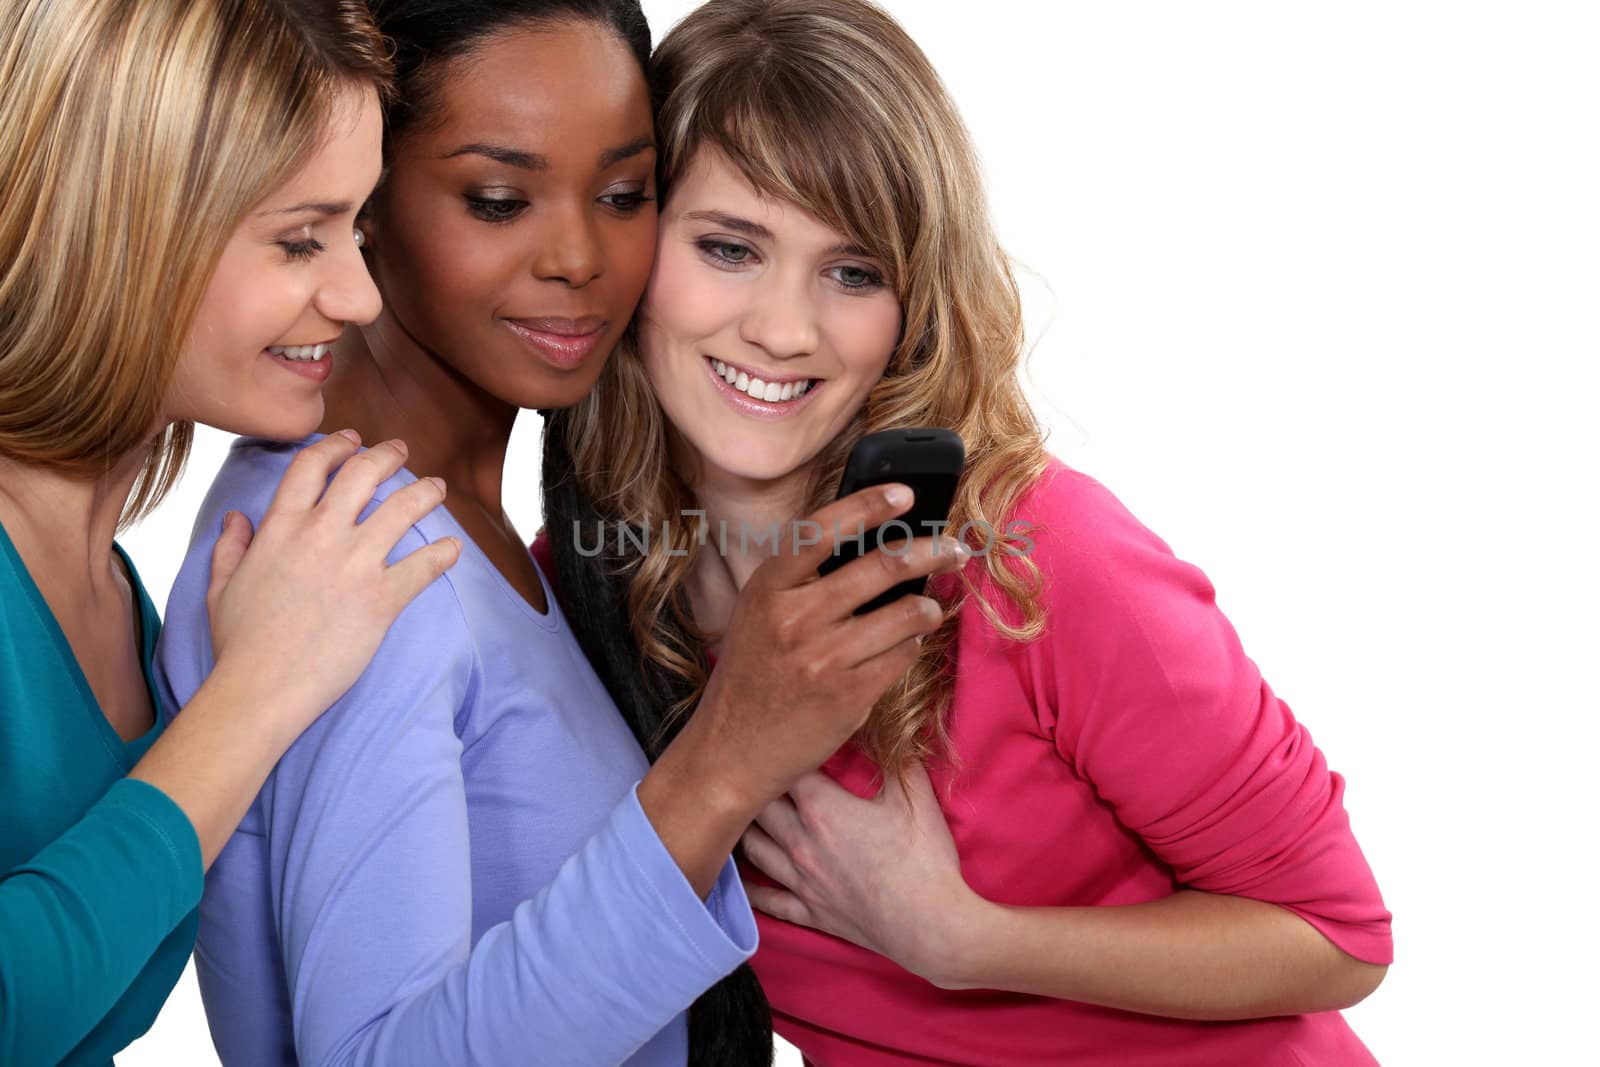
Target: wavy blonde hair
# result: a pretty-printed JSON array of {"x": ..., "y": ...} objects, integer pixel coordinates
[
  {"x": 829, "y": 105},
  {"x": 137, "y": 136}
]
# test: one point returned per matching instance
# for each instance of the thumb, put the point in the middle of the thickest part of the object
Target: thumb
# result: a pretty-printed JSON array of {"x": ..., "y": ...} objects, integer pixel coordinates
[{"x": 227, "y": 553}]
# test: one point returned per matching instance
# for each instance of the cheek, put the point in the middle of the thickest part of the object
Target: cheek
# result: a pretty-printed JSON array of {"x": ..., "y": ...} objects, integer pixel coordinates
[
  {"x": 868, "y": 335},
  {"x": 630, "y": 252},
  {"x": 684, "y": 304},
  {"x": 248, "y": 305},
  {"x": 443, "y": 261}
]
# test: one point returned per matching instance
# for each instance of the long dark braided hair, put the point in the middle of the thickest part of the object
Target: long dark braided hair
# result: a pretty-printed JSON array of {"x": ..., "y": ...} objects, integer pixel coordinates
[{"x": 730, "y": 1025}]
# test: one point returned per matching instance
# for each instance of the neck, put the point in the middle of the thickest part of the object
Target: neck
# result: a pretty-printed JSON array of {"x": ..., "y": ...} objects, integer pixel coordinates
[
  {"x": 386, "y": 384},
  {"x": 62, "y": 526},
  {"x": 734, "y": 504}
]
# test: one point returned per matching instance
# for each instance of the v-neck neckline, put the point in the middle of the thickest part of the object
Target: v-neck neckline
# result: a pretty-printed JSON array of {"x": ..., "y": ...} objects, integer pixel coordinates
[{"x": 124, "y": 753}]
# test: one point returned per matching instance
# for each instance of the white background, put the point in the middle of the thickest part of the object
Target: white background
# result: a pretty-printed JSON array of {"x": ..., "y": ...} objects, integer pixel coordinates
[{"x": 1313, "y": 289}]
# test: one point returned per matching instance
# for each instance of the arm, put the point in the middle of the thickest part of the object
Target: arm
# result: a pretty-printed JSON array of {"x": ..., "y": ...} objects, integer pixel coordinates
[
  {"x": 1189, "y": 956},
  {"x": 1140, "y": 684},
  {"x": 370, "y": 877},
  {"x": 81, "y": 919},
  {"x": 369, "y": 867},
  {"x": 296, "y": 612},
  {"x": 884, "y": 874}
]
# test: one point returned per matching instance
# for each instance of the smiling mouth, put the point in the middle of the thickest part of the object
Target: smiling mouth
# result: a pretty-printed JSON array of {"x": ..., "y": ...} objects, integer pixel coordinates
[
  {"x": 302, "y": 353},
  {"x": 757, "y": 388}
]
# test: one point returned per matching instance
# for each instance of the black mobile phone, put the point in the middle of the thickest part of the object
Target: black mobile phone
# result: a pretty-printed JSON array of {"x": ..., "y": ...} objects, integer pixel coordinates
[{"x": 929, "y": 460}]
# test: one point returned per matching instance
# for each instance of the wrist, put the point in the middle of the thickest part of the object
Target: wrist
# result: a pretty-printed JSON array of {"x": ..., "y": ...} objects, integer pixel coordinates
[
  {"x": 707, "y": 779},
  {"x": 271, "y": 717},
  {"x": 956, "y": 954}
]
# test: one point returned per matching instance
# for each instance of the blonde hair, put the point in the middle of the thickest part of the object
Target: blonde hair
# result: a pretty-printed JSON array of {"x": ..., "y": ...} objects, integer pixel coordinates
[
  {"x": 829, "y": 105},
  {"x": 137, "y": 136}
]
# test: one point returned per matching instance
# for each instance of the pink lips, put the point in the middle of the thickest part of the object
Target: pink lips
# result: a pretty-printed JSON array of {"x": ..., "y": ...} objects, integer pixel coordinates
[
  {"x": 564, "y": 343},
  {"x": 759, "y": 409}
]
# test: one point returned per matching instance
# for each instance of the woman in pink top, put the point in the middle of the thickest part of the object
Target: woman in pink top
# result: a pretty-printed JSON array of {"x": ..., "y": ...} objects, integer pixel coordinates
[{"x": 1083, "y": 829}]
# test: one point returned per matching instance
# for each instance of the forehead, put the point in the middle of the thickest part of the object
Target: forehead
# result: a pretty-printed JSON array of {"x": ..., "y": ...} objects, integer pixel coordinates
[
  {"x": 711, "y": 183},
  {"x": 564, "y": 85}
]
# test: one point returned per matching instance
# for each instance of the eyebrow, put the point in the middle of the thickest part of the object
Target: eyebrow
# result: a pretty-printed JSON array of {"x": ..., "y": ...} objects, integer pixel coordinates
[
  {"x": 760, "y": 233},
  {"x": 514, "y": 157},
  {"x": 321, "y": 207},
  {"x": 627, "y": 151}
]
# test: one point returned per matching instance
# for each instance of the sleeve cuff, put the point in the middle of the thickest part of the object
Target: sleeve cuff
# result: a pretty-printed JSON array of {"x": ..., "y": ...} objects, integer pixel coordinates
[
  {"x": 721, "y": 929},
  {"x": 153, "y": 815}
]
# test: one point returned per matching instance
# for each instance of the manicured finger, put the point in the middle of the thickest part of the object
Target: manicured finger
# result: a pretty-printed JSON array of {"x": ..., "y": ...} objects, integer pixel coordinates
[
  {"x": 779, "y": 903},
  {"x": 420, "y": 569},
  {"x": 227, "y": 553},
  {"x": 768, "y": 857},
  {"x": 896, "y": 625},
  {"x": 309, "y": 471},
  {"x": 352, "y": 488},
  {"x": 881, "y": 671},
  {"x": 404, "y": 509},
  {"x": 814, "y": 539},
  {"x": 858, "y": 581}
]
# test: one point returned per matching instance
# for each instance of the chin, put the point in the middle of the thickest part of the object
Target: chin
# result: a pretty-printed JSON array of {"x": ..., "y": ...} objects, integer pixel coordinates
[
  {"x": 277, "y": 426},
  {"x": 752, "y": 464},
  {"x": 555, "y": 392}
]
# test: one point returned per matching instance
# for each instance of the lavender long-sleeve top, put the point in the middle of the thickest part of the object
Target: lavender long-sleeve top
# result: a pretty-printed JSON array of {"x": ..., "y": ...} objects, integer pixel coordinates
[{"x": 451, "y": 865}]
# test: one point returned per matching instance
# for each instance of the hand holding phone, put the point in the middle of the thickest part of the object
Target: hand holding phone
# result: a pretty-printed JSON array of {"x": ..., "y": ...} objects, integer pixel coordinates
[{"x": 927, "y": 459}]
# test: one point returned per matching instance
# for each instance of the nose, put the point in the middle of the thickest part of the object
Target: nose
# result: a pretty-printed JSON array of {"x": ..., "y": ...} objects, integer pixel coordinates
[
  {"x": 781, "y": 318},
  {"x": 349, "y": 294},
  {"x": 569, "y": 249}
]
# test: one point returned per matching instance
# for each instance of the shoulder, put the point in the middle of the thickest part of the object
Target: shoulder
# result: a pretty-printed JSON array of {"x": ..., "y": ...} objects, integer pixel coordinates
[
  {"x": 430, "y": 634},
  {"x": 1088, "y": 547}
]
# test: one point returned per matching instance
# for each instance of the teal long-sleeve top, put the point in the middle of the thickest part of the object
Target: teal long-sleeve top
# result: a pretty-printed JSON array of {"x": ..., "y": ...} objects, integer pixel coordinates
[{"x": 100, "y": 874}]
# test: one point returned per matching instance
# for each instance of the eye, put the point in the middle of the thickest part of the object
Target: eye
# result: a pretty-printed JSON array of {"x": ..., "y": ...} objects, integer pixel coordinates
[
  {"x": 725, "y": 253},
  {"x": 857, "y": 279},
  {"x": 495, "y": 209},
  {"x": 627, "y": 203},
  {"x": 301, "y": 250}
]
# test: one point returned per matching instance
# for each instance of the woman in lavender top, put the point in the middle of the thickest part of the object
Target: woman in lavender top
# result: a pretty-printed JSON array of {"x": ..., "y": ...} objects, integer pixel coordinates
[{"x": 473, "y": 861}]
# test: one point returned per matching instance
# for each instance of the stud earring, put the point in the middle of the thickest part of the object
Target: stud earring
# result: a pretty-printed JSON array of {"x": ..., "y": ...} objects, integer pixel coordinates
[{"x": 361, "y": 238}]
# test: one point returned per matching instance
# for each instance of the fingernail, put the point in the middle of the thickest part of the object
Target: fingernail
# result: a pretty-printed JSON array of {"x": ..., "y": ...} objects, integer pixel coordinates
[
  {"x": 963, "y": 553},
  {"x": 898, "y": 496},
  {"x": 227, "y": 518},
  {"x": 439, "y": 482},
  {"x": 400, "y": 446},
  {"x": 351, "y": 436}
]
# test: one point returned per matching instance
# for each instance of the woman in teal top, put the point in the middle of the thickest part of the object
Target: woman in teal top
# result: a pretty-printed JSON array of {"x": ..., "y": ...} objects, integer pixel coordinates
[{"x": 176, "y": 245}]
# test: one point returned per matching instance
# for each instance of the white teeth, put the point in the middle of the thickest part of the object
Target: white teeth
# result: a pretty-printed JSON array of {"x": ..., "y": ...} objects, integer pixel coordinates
[
  {"x": 758, "y": 388},
  {"x": 301, "y": 353}
]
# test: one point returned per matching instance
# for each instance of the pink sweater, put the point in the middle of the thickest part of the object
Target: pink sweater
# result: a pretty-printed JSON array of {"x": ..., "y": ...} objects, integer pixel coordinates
[{"x": 1131, "y": 750}]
